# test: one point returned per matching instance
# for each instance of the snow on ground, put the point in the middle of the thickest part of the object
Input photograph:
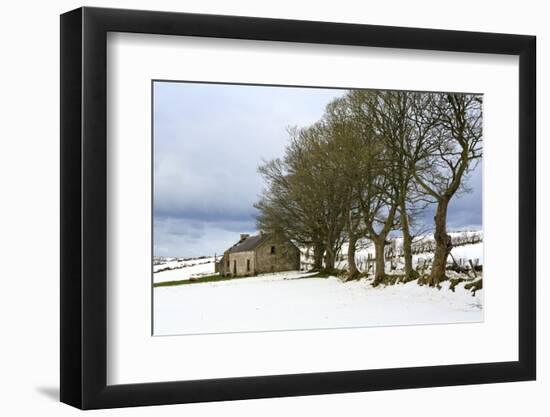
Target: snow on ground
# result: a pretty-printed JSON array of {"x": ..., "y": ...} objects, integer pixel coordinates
[
  {"x": 182, "y": 270},
  {"x": 292, "y": 300}
]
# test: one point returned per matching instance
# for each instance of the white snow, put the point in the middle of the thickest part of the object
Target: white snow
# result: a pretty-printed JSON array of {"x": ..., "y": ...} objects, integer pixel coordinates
[
  {"x": 295, "y": 300},
  {"x": 466, "y": 252},
  {"x": 183, "y": 270},
  {"x": 291, "y": 300}
]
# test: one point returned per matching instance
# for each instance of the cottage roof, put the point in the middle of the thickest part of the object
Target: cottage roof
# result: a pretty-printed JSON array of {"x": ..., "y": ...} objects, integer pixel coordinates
[{"x": 248, "y": 244}]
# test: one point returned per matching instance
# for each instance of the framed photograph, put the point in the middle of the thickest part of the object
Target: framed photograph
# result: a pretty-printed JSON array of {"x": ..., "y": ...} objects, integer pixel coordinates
[{"x": 257, "y": 208}]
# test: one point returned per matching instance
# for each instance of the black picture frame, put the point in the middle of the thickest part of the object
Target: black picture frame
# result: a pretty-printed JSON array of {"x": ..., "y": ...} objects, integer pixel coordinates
[{"x": 84, "y": 207}]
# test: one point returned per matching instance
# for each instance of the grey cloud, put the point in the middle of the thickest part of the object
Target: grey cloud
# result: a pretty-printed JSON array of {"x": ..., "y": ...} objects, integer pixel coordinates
[{"x": 208, "y": 142}]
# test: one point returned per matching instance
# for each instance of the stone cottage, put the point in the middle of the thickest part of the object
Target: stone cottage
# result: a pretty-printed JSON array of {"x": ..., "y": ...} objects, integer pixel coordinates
[{"x": 258, "y": 254}]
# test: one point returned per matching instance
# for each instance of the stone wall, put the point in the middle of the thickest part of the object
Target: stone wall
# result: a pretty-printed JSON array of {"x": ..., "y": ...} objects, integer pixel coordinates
[
  {"x": 276, "y": 256},
  {"x": 239, "y": 260}
]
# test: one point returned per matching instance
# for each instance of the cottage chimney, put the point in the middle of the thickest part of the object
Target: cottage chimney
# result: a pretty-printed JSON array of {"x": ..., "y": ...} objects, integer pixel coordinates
[{"x": 244, "y": 236}]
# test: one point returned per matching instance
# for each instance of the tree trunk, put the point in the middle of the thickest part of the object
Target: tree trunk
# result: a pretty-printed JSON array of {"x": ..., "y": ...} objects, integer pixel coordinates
[
  {"x": 410, "y": 273},
  {"x": 318, "y": 252},
  {"x": 443, "y": 243},
  {"x": 330, "y": 258},
  {"x": 353, "y": 272},
  {"x": 379, "y": 273}
]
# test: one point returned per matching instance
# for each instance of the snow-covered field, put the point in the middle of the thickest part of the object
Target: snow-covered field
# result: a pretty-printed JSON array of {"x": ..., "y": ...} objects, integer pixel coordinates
[
  {"x": 181, "y": 270},
  {"x": 295, "y": 300},
  {"x": 291, "y": 300}
]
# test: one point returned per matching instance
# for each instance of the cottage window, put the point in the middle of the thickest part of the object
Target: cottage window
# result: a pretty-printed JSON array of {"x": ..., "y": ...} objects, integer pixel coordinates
[{"x": 273, "y": 250}]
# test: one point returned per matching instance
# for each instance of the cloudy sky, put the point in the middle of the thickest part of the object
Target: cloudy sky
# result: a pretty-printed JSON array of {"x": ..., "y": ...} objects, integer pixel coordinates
[{"x": 208, "y": 142}]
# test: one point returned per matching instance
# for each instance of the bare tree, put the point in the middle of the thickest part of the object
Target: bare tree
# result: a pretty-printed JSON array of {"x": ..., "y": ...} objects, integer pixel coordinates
[
  {"x": 391, "y": 118},
  {"x": 404, "y": 130},
  {"x": 303, "y": 199},
  {"x": 372, "y": 163},
  {"x": 284, "y": 216},
  {"x": 377, "y": 195},
  {"x": 444, "y": 158},
  {"x": 349, "y": 158}
]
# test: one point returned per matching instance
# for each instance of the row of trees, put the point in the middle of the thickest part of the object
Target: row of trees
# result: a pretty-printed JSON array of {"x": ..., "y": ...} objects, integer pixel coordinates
[{"x": 371, "y": 165}]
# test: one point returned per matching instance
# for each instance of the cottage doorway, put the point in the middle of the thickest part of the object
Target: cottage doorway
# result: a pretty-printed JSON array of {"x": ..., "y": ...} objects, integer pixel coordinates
[{"x": 235, "y": 267}]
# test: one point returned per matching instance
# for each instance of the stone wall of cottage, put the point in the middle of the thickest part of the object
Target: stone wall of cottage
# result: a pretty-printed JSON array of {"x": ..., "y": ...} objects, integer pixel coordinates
[
  {"x": 276, "y": 256},
  {"x": 241, "y": 262}
]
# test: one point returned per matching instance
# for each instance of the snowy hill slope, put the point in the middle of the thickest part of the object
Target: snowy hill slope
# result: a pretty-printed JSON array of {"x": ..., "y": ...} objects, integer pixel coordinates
[
  {"x": 173, "y": 269},
  {"x": 292, "y": 300}
]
